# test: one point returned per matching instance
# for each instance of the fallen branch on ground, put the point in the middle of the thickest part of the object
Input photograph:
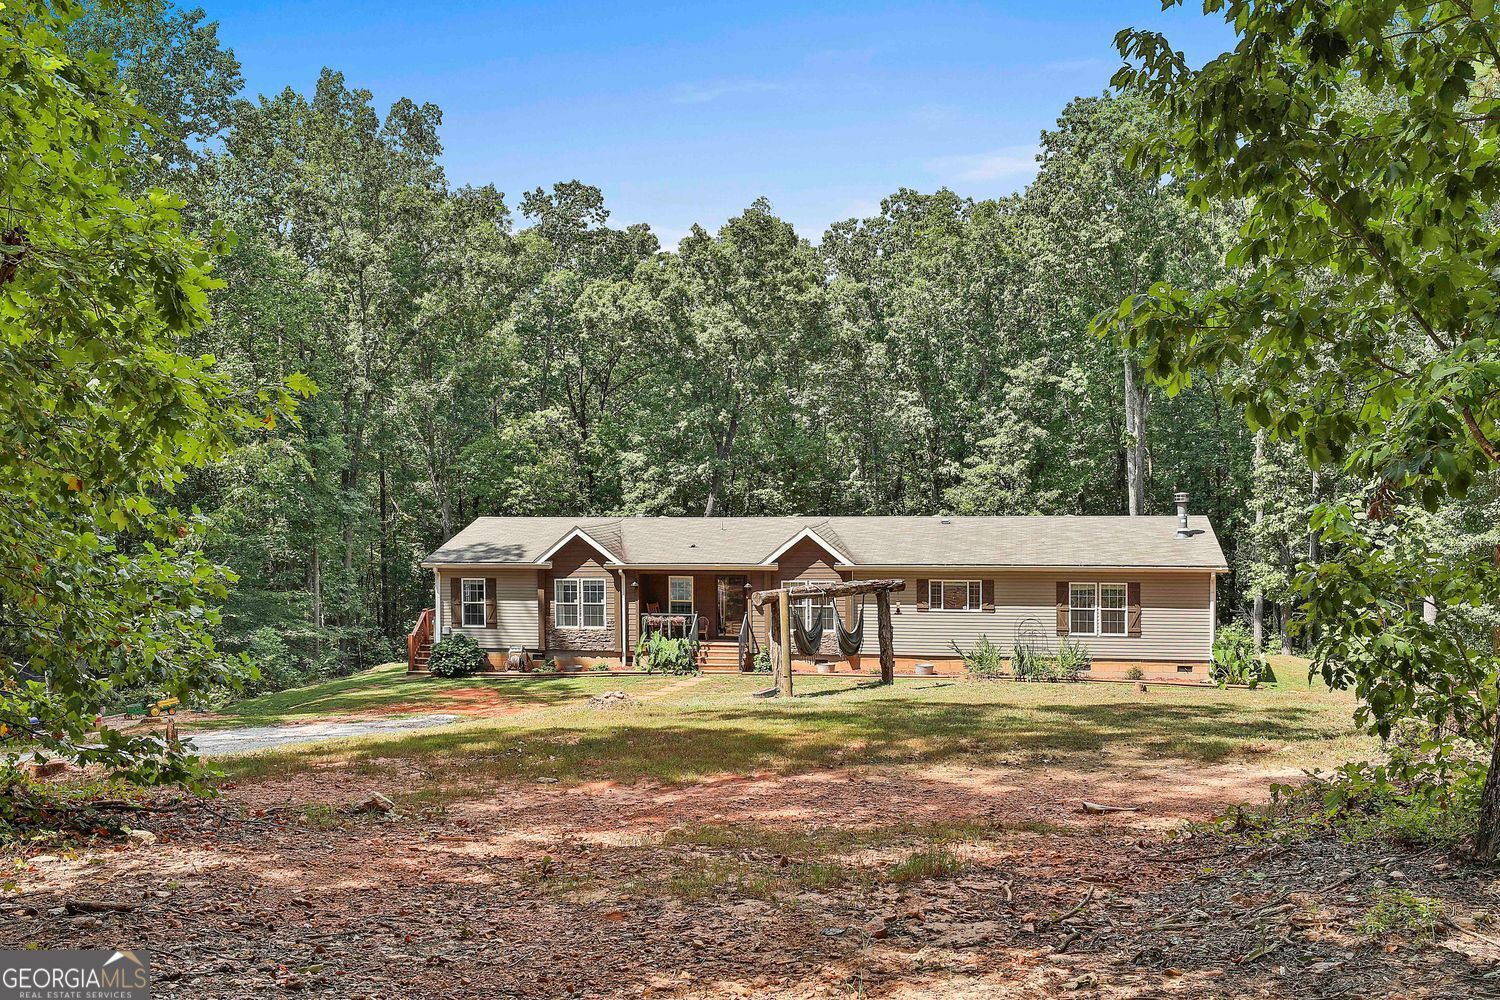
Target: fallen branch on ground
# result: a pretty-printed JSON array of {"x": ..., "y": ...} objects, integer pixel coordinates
[{"x": 76, "y": 906}]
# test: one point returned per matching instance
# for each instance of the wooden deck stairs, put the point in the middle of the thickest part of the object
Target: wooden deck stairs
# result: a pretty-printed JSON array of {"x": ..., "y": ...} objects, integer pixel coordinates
[
  {"x": 719, "y": 655},
  {"x": 419, "y": 643}
]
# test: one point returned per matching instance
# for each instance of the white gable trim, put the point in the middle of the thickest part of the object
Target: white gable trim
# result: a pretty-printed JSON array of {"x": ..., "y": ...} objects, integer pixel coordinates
[
  {"x": 838, "y": 556},
  {"x": 609, "y": 557}
]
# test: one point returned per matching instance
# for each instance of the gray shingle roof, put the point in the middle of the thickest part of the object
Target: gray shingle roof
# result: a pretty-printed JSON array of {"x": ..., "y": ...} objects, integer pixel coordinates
[{"x": 1095, "y": 542}]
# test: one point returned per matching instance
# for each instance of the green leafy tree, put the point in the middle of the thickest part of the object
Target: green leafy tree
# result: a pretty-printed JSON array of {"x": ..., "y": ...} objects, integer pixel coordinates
[
  {"x": 1364, "y": 137},
  {"x": 104, "y": 589},
  {"x": 1099, "y": 230},
  {"x": 755, "y": 313},
  {"x": 171, "y": 63}
]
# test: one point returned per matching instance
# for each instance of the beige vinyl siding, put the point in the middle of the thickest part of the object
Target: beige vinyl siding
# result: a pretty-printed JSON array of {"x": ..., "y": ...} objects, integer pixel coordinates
[
  {"x": 1176, "y": 623},
  {"x": 515, "y": 607}
]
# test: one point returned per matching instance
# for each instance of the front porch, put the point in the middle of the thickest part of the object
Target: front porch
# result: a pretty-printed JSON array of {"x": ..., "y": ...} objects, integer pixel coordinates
[{"x": 719, "y": 600}]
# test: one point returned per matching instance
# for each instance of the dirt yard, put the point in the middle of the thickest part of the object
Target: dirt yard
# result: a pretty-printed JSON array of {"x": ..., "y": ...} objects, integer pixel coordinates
[{"x": 921, "y": 871}]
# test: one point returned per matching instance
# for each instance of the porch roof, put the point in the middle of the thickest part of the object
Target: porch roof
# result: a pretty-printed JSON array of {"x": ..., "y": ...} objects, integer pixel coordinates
[{"x": 906, "y": 542}]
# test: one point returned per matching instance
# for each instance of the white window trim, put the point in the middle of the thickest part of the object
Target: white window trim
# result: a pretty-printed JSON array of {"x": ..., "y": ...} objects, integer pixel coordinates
[
  {"x": 576, "y": 604},
  {"x": 1124, "y": 608},
  {"x": 1095, "y": 587},
  {"x": 805, "y": 605},
  {"x": 464, "y": 604},
  {"x": 692, "y": 596},
  {"x": 602, "y": 603},
  {"x": 968, "y": 585}
]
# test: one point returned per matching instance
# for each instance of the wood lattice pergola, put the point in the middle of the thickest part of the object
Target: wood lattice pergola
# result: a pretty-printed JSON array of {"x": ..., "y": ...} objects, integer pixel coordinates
[{"x": 778, "y": 633}]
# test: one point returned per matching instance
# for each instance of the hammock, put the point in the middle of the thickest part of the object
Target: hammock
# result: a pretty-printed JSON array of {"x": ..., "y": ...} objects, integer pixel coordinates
[
  {"x": 748, "y": 645},
  {"x": 808, "y": 639},
  {"x": 849, "y": 639}
]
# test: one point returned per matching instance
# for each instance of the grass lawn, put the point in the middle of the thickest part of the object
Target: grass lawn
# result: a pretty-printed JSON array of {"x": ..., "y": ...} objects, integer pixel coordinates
[
  {"x": 389, "y": 689},
  {"x": 685, "y": 729}
]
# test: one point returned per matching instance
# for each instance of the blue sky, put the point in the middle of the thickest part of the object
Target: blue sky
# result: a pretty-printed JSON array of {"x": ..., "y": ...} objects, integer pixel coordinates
[{"x": 687, "y": 112}]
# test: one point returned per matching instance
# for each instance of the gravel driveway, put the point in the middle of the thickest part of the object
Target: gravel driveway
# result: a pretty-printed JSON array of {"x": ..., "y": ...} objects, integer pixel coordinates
[{"x": 216, "y": 742}]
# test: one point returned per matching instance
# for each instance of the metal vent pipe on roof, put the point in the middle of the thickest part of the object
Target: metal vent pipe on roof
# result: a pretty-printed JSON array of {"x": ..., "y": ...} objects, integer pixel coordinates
[{"x": 1182, "y": 514}]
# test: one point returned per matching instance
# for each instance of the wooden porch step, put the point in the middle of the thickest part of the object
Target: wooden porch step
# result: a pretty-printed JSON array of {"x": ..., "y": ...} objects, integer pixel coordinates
[{"x": 719, "y": 655}]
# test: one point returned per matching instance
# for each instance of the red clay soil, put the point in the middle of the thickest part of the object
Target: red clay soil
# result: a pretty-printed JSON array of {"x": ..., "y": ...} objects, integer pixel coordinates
[{"x": 542, "y": 890}]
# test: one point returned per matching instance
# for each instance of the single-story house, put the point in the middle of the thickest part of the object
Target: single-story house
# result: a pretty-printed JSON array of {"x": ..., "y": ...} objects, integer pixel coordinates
[{"x": 1139, "y": 592}]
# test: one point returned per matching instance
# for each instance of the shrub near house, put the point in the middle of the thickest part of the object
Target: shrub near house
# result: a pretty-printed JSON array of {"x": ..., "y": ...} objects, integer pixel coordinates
[{"x": 457, "y": 656}]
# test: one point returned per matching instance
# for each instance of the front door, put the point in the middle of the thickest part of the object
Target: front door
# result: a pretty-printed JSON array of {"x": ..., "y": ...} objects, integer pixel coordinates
[{"x": 732, "y": 596}]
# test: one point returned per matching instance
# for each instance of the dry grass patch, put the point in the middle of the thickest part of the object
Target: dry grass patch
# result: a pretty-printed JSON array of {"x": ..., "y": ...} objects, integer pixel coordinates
[{"x": 923, "y": 864}]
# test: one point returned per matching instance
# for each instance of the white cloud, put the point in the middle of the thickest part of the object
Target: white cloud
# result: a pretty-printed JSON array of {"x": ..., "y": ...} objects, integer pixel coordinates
[{"x": 1008, "y": 163}]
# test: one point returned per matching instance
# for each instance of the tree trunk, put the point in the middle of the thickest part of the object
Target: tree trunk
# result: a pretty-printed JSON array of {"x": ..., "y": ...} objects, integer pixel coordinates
[
  {"x": 721, "y": 458},
  {"x": 1314, "y": 543},
  {"x": 1258, "y": 608},
  {"x": 1136, "y": 402},
  {"x": 1487, "y": 837},
  {"x": 385, "y": 564},
  {"x": 315, "y": 586},
  {"x": 1286, "y": 627}
]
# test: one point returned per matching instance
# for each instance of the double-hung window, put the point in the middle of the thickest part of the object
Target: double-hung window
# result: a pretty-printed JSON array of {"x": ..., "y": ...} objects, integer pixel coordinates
[
  {"x": 565, "y": 603},
  {"x": 814, "y": 610},
  {"x": 1098, "y": 609},
  {"x": 680, "y": 595},
  {"x": 592, "y": 592},
  {"x": 473, "y": 603},
  {"x": 954, "y": 595},
  {"x": 1083, "y": 609},
  {"x": 1112, "y": 608},
  {"x": 578, "y": 603}
]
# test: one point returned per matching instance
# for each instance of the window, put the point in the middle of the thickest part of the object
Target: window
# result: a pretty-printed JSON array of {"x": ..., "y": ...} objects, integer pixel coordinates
[
  {"x": 1111, "y": 609},
  {"x": 593, "y": 603},
  {"x": 565, "y": 603},
  {"x": 473, "y": 601},
  {"x": 680, "y": 595},
  {"x": 1082, "y": 608},
  {"x": 813, "y": 609},
  {"x": 954, "y": 595}
]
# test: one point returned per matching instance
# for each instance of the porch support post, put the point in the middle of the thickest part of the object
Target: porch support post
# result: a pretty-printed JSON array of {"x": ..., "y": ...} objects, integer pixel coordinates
[
  {"x": 887, "y": 637},
  {"x": 784, "y": 640},
  {"x": 622, "y": 605},
  {"x": 541, "y": 612}
]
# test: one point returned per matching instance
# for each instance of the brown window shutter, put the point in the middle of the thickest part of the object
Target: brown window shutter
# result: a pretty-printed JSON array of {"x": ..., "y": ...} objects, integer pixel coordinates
[
  {"x": 455, "y": 602},
  {"x": 1133, "y": 599},
  {"x": 988, "y": 589},
  {"x": 1062, "y": 607},
  {"x": 922, "y": 592},
  {"x": 489, "y": 602}
]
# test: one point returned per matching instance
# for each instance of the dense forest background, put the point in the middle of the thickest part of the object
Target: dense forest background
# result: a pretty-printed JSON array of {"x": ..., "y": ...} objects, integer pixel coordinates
[{"x": 483, "y": 353}]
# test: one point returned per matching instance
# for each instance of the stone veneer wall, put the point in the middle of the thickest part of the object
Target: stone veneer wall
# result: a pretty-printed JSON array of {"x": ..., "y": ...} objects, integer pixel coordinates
[{"x": 582, "y": 640}]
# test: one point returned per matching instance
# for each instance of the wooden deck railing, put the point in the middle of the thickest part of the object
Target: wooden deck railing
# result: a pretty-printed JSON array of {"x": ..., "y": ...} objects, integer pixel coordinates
[
  {"x": 419, "y": 638},
  {"x": 673, "y": 626}
]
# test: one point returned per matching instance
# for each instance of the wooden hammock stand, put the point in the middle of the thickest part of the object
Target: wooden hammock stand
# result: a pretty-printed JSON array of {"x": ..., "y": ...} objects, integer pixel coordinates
[{"x": 777, "y": 603}]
